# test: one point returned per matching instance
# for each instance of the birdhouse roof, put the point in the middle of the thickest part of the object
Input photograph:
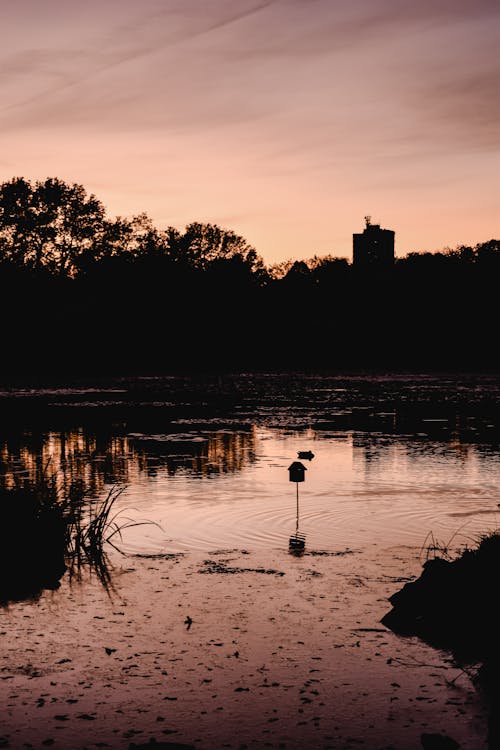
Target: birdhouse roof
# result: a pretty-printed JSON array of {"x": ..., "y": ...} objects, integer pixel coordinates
[{"x": 296, "y": 466}]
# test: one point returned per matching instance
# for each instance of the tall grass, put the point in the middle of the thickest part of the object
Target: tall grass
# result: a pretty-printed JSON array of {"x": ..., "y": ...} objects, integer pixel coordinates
[
  {"x": 92, "y": 527},
  {"x": 46, "y": 531}
]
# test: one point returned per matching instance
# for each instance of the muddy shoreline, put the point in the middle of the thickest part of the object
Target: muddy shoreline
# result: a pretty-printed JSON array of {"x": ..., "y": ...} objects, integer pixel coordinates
[
  {"x": 245, "y": 646},
  {"x": 287, "y": 661}
]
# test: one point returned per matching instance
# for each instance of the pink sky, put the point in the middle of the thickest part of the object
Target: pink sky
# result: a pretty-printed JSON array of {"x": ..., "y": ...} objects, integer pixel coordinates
[{"x": 285, "y": 120}]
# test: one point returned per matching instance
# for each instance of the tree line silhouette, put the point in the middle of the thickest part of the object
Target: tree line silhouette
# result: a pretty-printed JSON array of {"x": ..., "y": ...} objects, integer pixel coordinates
[{"x": 83, "y": 294}]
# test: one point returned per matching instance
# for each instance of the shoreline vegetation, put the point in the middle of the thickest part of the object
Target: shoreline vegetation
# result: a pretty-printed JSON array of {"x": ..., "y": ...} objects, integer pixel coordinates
[
  {"x": 87, "y": 295},
  {"x": 453, "y": 605},
  {"x": 33, "y": 540},
  {"x": 47, "y": 532}
]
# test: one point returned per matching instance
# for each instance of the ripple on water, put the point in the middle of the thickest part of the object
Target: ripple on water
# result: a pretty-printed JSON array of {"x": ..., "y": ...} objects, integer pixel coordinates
[
  {"x": 239, "y": 518},
  {"x": 233, "y": 489}
]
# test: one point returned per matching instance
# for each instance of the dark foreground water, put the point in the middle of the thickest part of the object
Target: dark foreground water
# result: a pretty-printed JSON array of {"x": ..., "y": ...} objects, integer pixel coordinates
[{"x": 400, "y": 465}]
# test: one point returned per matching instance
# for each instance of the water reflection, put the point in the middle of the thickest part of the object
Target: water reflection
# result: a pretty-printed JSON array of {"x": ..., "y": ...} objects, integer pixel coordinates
[
  {"x": 204, "y": 454},
  {"x": 380, "y": 452},
  {"x": 211, "y": 489},
  {"x": 99, "y": 459}
]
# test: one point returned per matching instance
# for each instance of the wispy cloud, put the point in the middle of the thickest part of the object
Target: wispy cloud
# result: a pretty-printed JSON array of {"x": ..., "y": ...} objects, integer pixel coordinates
[
  {"x": 257, "y": 45},
  {"x": 265, "y": 92},
  {"x": 127, "y": 43}
]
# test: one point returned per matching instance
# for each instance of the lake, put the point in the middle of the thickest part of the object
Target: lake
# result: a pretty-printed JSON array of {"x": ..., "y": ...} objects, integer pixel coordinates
[
  {"x": 401, "y": 465},
  {"x": 394, "y": 460}
]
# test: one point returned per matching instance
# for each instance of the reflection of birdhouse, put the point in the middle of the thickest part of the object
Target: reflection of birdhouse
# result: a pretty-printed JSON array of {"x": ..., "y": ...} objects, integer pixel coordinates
[
  {"x": 297, "y": 472},
  {"x": 297, "y": 543}
]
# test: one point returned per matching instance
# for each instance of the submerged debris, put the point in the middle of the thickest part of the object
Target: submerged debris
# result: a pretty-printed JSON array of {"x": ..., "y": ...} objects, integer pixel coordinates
[
  {"x": 217, "y": 566},
  {"x": 228, "y": 552},
  {"x": 338, "y": 553},
  {"x": 153, "y": 745},
  {"x": 157, "y": 555}
]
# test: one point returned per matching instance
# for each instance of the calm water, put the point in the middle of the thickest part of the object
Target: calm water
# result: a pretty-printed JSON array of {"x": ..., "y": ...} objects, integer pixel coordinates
[
  {"x": 358, "y": 489},
  {"x": 212, "y": 489},
  {"x": 394, "y": 462}
]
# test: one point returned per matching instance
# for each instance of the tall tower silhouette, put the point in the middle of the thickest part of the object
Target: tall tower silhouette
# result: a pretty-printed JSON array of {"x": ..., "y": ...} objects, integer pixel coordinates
[{"x": 374, "y": 247}]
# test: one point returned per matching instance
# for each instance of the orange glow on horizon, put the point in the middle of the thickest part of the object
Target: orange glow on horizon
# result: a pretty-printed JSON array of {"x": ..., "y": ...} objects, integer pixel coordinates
[{"x": 285, "y": 125}]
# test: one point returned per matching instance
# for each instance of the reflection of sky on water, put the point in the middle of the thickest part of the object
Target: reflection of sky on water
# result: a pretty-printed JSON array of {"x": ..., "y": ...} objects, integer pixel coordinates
[{"x": 224, "y": 489}]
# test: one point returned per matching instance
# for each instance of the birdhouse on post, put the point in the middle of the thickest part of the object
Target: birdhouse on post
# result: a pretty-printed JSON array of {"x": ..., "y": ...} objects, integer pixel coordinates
[
  {"x": 297, "y": 541},
  {"x": 297, "y": 472}
]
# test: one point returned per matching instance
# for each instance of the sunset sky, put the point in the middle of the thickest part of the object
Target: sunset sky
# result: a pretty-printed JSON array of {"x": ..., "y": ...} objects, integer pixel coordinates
[{"x": 285, "y": 120}]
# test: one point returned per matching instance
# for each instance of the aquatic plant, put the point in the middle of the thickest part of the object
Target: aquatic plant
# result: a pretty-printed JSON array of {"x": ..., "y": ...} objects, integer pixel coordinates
[
  {"x": 91, "y": 525},
  {"x": 87, "y": 528},
  {"x": 435, "y": 548},
  {"x": 46, "y": 531}
]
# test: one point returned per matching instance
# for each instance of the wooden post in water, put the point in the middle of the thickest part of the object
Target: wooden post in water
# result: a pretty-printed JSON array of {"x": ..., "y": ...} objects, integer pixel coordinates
[
  {"x": 297, "y": 542},
  {"x": 297, "y": 524}
]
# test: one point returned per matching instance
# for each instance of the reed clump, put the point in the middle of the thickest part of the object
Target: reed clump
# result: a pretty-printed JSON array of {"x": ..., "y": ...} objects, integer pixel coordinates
[
  {"x": 92, "y": 526},
  {"x": 45, "y": 532}
]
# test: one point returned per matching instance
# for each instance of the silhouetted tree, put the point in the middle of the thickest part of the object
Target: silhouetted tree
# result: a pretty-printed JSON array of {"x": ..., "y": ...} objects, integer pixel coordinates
[
  {"x": 202, "y": 244},
  {"x": 121, "y": 238},
  {"x": 488, "y": 255},
  {"x": 124, "y": 295},
  {"x": 298, "y": 272},
  {"x": 277, "y": 271},
  {"x": 49, "y": 224}
]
